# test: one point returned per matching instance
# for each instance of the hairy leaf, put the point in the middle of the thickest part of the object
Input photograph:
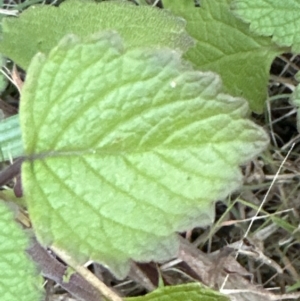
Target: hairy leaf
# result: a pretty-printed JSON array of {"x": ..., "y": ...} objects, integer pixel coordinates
[
  {"x": 191, "y": 292},
  {"x": 276, "y": 18},
  {"x": 225, "y": 45},
  {"x": 19, "y": 277},
  {"x": 127, "y": 146},
  {"x": 41, "y": 27}
]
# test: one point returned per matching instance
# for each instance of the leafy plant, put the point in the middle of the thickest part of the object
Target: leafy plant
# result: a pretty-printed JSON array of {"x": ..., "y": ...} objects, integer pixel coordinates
[
  {"x": 225, "y": 45},
  {"x": 266, "y": 19},
  {"x": 19, "y": 276},
  {"x": 140, "y": 124},
  {"x": 23, "y": 37},
  {"x": 125, "y": 141}
]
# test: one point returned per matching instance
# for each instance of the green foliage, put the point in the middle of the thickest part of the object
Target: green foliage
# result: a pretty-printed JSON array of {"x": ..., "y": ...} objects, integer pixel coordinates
[
  {"x": 19, "y": 277},
  {"x": 41, "y": 27},
  {"x": 276, "y": 18},
  {"x": 225, "y": 45},
  {"x": 3, "y": 83},
  {"x": 10, "y": 138},
  {"x": 126, "y": 148},
  {"x": 3, "y": 80},
  {"x": 281, "y": 21},
  {"x": 191, "y": 292},
  {"x": 126, "y": 143}
]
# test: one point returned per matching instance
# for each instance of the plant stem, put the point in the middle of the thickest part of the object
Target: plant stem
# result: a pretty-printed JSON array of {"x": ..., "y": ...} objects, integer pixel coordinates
[
  {"x": 11, "y": 171},
  {"x": 54, "y": 270},
  {"x": 86, "y": 274}
]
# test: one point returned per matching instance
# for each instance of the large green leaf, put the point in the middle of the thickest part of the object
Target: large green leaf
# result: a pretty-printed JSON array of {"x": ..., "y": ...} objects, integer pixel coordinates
[
  {"x": 225, "y": 45},
  {"x": 190, "y": 292},
  {"x": 126, "y": 147},
  {"x": 276, "y": 18},
  {"x": 19, "y": 276},
  {"x": 41, "y": 27}
]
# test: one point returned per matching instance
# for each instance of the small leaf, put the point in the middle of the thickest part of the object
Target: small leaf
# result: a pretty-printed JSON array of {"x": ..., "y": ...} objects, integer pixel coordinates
[
  {"x": 3, "y": 79},
  {"x": 126, "y": 147},
  {"x": 190, "y": 292},
  {"x": 41, "y": 27},
  {"x": 225, "y": 45},
  {"x": 276, "y": 18},
  {"x": 19, "y": 277},
  {"x": 10, "y": 138}
]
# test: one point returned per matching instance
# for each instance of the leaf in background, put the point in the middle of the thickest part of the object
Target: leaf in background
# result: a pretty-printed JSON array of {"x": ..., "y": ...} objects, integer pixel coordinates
[
  {"x": 128, "y": 146},
  {"x": 3, "y": 82},
  {"x": 225, "y": 45},
  {"x": 41, "y": 27},
  {"x": 10, "y": 138},
  {"x": 190, "y": 292},
  {"x": 3, "y": 79},
  {"x": 19, "y": 276},
  {"x": 276, "y": 18}
]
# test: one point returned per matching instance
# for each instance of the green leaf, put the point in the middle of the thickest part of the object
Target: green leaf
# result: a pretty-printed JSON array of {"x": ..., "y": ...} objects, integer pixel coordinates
[
  {"x": 225, "y": 45},
  {"x": 284, "y": 224},
  {"x": 10, "y": 138},
  {"x": 9, "y": 195},
  {"x": 3, "y": 80},
  {"x": 19, "y": 277},
  {"x": 41, "y": 27},
  {"x": 127, "y": 146},
  {"x": 190, "y": 292},
  {"x": 276, "y": 18}
]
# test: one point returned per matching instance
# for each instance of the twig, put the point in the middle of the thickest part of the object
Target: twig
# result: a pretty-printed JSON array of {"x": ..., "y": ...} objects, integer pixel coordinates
[
  {"x": 239, "y": 287},
  {"x": 54, "y": 270},
  {"x": 87, "y": 275},
  {"x": 143, "y": 274},
  {"x": 8, "y": 12}
]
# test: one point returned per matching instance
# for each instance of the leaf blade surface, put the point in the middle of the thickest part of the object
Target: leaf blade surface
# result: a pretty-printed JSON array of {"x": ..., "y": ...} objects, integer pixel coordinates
[
  {"x": 126, "y": 148},
  {"x": 41, "y": 27},
  {"x": 19, "y": 276},
  {"x": 10, "y": 138},
  {"x": 279, "y": 19},
  {"x": 225, "y": 45}
]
